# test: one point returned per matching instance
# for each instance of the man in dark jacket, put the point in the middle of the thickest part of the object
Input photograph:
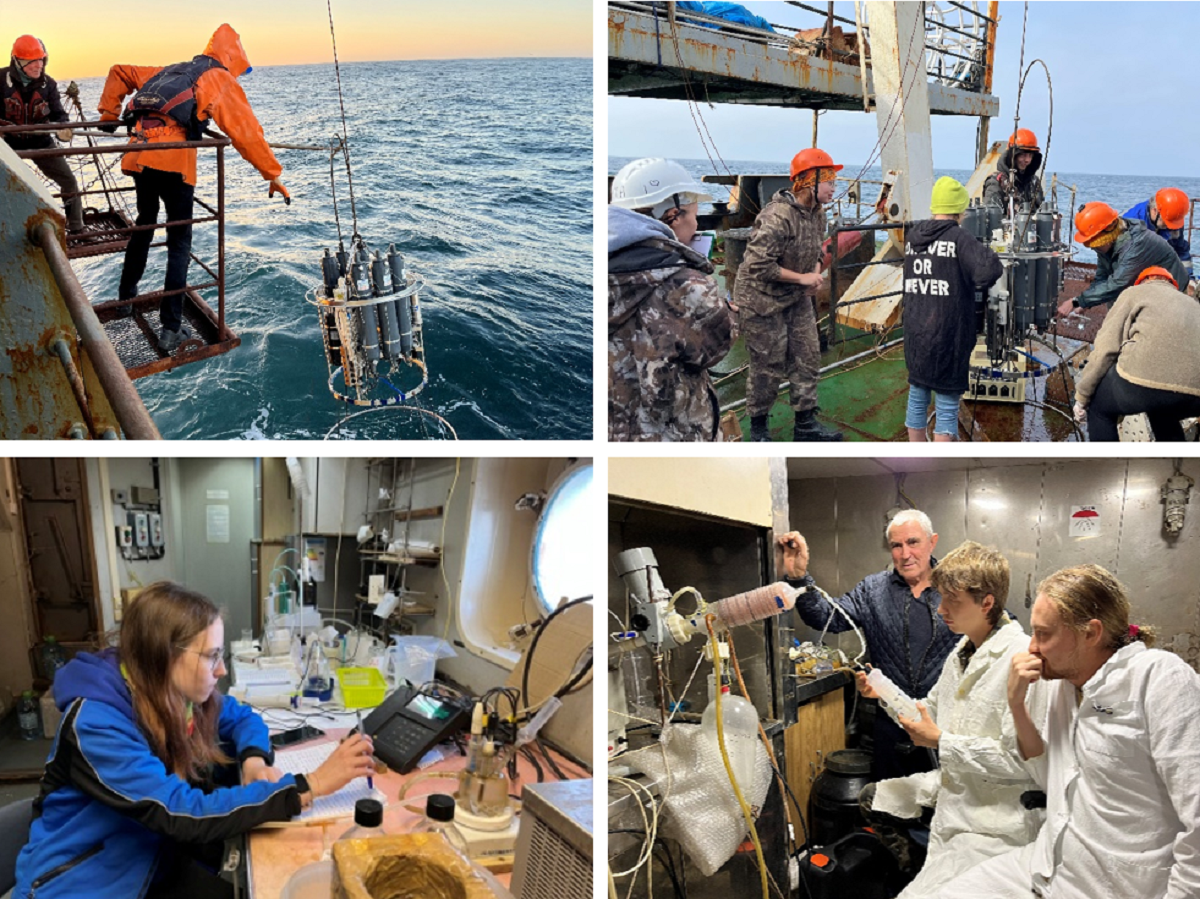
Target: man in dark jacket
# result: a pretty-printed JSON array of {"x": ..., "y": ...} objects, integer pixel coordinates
[
  {"x": 1017, "y": 175},
  {"x": 896, "y": 610},
  {"x": 943, "y": 268},
  {"x": 1124, "y": 249},
  {"x": 31, "y": 98}
]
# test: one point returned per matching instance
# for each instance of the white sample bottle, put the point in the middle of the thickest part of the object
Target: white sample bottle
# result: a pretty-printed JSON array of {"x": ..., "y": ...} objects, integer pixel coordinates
[
  {"x": 740, "y": 720},
  {"x": 891, "y": 695}
]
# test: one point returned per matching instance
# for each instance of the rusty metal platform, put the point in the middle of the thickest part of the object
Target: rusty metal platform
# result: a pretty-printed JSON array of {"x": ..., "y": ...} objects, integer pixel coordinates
[
  {"x": 135, "y": 337},
  {"x": 107, "y": 232}
]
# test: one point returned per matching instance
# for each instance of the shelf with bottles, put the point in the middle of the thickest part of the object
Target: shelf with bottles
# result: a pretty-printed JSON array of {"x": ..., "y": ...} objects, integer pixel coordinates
[{"x": 410, "y": 608}]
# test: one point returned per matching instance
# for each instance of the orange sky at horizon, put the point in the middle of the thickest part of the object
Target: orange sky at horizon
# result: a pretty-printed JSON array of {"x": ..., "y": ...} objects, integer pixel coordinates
[{"x": 84, "y": 39}]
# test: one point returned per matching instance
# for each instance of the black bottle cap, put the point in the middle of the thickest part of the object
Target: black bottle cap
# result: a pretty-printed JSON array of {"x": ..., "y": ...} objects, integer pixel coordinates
[
  {"x": 368, "y": 813},
  {"x": 439, "y": 807}
]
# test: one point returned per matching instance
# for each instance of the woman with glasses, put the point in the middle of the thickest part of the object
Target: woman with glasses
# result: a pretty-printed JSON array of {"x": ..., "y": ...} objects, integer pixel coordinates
[{"x": 152, "y": 769}]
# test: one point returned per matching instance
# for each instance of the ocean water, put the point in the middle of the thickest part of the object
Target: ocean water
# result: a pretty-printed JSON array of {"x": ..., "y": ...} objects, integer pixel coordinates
[
  {"x": 1119, "y": 191},
  {"x": 479, "y": 171}
]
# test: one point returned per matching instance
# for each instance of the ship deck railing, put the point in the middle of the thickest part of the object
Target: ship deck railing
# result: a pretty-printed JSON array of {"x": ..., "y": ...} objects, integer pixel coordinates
[{"x": 134, "y": 336}]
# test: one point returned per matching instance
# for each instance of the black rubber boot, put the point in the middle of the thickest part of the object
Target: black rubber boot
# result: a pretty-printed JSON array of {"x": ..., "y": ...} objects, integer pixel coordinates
[
  {"x": 758, "y": 429},
  {"x": 808, "y": 428}
]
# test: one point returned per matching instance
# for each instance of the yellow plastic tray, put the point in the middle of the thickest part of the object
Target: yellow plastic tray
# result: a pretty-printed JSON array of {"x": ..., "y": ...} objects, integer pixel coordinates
[{"x": 362, "y": 688}]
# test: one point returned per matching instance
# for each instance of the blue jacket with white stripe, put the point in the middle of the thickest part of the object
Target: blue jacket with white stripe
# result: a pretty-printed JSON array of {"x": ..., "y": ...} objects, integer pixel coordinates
[
  {"x": 109, "y": 808},
  {"x": 1177, "y": 239}
]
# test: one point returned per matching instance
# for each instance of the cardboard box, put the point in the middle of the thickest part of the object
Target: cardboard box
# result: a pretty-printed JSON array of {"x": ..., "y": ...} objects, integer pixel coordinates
[{"x": 424, "y": 863}]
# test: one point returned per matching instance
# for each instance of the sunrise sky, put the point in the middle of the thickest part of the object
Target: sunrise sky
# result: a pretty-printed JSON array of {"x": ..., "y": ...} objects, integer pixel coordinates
[{"x": 85, "y": 37}]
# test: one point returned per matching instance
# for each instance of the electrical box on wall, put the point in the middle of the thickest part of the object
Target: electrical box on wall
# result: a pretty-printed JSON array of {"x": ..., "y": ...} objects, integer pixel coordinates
[
  {"x": 124, "y": 537},
  {"x": 141, "y": 529},
  {"x": 120, "y": 497},
  {"x": 144, "y": 496},
  {"x": 156, "y": 532}
]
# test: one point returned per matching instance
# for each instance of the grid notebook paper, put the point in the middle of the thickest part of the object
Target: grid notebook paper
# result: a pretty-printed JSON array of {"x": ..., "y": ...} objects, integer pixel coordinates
[{"x": 335, "y": 805}]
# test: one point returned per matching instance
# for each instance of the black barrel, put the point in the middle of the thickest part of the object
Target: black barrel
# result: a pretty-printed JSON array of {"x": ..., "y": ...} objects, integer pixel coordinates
[
  {"x": 857, "y": 865},
  {"x": 833, "y": 803}
]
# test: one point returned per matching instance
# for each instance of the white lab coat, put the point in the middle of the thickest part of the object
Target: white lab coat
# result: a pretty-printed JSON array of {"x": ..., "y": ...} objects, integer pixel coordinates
[
  {"x": 1122, "y": 778},
  {"x": 977, "y": 789}
]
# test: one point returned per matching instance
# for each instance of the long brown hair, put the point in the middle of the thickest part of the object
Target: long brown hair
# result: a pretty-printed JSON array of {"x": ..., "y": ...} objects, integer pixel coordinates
[
  {"x": 163, "y": 620},
  {"x": 1086, "y": 592}
]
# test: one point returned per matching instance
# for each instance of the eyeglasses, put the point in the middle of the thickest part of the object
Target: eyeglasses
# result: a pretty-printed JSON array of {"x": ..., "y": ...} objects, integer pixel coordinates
[{"x": 213, "y": 656}]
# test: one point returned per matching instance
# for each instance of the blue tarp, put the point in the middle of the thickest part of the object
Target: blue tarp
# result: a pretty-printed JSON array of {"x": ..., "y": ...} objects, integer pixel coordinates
[{"x": 730, "y": 12}]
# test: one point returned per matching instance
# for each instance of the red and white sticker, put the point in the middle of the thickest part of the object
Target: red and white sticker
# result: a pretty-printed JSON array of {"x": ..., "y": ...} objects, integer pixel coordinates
[{"x": 1085, "y": 521}]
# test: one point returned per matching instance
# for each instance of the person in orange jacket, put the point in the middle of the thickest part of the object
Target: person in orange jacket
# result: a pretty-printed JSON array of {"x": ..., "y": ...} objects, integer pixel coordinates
[{"x": 172, "y": 105}]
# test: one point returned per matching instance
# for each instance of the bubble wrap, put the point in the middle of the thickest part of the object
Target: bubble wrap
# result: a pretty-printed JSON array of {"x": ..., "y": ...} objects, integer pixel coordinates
[{"x": 701, "y": 811}]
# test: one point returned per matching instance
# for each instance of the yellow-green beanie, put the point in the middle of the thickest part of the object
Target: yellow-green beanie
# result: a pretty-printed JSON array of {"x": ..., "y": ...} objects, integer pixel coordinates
[{"x": 949, "y": 197}]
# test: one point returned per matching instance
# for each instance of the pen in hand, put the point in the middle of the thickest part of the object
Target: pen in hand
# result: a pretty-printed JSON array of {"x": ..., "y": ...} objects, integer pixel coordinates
[{"x": 370, "y": 779}]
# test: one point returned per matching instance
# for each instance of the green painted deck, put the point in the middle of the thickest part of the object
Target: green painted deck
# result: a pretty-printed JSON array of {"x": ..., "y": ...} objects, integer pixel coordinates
[{"x": 868, "y": 398}]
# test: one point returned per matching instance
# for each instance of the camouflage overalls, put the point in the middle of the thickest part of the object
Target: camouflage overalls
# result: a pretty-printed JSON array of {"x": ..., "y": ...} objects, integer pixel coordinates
[
  {"x": 667, "y": 324},
  {"x": 778, "y": 318}
]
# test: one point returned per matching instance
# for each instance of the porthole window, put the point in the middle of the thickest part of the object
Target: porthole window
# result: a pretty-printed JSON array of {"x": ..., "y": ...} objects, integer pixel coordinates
[{"x": 562, "y": 554}]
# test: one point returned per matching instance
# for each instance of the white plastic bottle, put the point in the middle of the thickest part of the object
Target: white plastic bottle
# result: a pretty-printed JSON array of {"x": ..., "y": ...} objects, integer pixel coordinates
[
  {"x": 891, "y": 695},
  {"x": 740, "y": 720}
]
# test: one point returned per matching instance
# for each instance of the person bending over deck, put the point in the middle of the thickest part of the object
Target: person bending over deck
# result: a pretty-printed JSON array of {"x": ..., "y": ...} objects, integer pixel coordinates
[
  {"x": 667, "y": 321},
  {"x": 943, "y": 268},
  {"x": 1124, "y": 249},
  {"x": 1165, "y": 214},
  {"x": 31, "y": 98},
  {"x": 210, "y": 91},
  {"x": 141, "y": 787},
  {"x": 1144, "y": 360},
  {"x": 775, "y": 293}
]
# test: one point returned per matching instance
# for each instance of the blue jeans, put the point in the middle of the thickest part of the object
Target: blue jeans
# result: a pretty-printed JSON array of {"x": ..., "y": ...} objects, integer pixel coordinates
[{"x": 945, "y": 410}]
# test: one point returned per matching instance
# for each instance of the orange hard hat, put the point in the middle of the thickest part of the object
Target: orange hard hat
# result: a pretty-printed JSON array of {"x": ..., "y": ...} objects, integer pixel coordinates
[
  {"x": 1156, "y": 271},
  {"x": 1092, "y": 220},
  {"x": 812, "y": 159},
  {"x": 1172, "y": 206},
  {"x": 1024, "y": 139},
  {"x": 28, "y": 47}
]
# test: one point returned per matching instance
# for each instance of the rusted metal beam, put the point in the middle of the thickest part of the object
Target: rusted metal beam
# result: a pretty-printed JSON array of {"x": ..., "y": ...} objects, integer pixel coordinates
[
  {"x": 729, "y": 66},
  {"x": 60, "y": 349},
  {"x": 131, "y": 412},
  {"x": 123, "y": 148}
]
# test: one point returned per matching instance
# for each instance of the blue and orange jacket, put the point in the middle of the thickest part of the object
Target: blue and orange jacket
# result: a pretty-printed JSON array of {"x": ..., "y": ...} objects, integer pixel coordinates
[{"x": 109, "y": 808}]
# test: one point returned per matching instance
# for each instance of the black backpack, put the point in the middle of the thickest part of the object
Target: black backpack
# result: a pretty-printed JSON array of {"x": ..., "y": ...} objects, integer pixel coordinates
[{"x": 172, "y": 94}]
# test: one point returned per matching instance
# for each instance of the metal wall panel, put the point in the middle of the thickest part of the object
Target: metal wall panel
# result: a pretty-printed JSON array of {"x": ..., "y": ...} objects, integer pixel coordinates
[{"x": 1024, "y": 511}]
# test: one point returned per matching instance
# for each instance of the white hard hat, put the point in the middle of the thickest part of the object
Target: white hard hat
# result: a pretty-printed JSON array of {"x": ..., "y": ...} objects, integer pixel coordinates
[{"x": 647, "y": 183}]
